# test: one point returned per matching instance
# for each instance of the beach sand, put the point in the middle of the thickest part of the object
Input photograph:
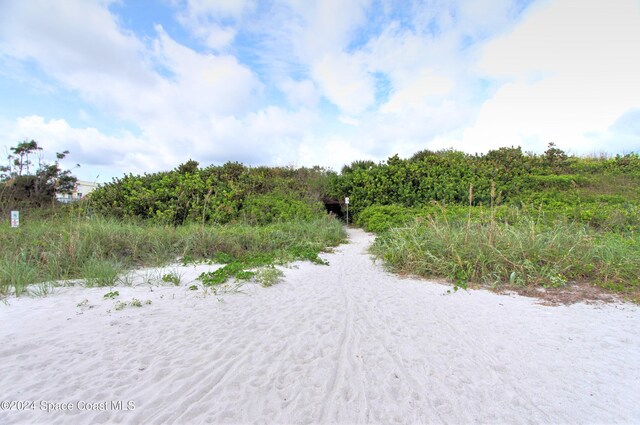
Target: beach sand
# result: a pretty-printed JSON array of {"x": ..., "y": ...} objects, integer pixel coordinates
[{"x": 344, "y": 343}]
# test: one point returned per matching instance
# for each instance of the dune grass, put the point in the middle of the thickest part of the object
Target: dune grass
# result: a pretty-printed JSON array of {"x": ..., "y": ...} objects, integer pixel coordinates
[
  {"x": 523, "y": 253},
  {"x": 98, "y": 249}
]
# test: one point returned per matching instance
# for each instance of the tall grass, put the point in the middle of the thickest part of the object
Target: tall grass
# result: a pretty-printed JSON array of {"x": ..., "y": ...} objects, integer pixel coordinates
[
  {"x": 98, "y": 249},
  {"x": 15, "y": 274},
  {"x": 552, "y": 245},
  {"x": 524, "y": 252}
]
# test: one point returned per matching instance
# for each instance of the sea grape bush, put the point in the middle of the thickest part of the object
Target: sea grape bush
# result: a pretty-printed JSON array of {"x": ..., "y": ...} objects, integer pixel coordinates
[
  {"x": 378, "y": 218},
  {"x": 224, "y": 194},
  {"x": 267, "y": 208},
  {"x": 591, "y": 190},
  {"x": 601, "y": 191}
]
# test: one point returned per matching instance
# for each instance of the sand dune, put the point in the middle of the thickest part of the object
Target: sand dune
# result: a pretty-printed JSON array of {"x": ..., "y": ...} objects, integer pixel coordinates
[{"x": 345, "y": 343}]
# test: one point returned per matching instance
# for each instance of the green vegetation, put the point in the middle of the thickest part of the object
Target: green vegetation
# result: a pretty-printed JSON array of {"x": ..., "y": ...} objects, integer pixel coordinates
[
  {"x": 171, "y": 278},
  {"x": 521, "y": 253},
  {"x": 221, "y": 275},
  {"x": 268, "y": 276},
  {"x": 111, "y": 294},
  {"x": 585, "y": 189},
  {"x": 239, "y": 216},
  {"x": 101, "y": 271},
  {"x": 119, "y": 305},
  {"x": 22, "y": 185},
  {"x": 378, "y": 218},
  {"x": 68, "y": 247},
  {"x": 231, "y": 193},
  {"x": 504, "y": 218}
]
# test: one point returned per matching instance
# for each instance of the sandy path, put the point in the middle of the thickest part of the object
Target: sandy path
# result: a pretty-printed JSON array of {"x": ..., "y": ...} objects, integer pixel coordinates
[{"x": 347, "y": 343}]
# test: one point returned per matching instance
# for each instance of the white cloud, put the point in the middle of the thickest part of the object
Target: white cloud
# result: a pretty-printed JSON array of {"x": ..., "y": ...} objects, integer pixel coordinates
[
  {"x": 569, "y": 71},
  {"x": 416, "y": 92},
  {"x": 199, "y": 9},
  {"x": 315, "y": 36},
  {"x": 98, "y": 153},
  {"x": 202, "y": 18},
  {"x": 72, "y": 40},
  {"x": 410, "y": 76},
  {"x": 205, "y": 83},
  {"x": 300, "y": 93},
  {"x": 623, "y": 136},
  {"x": 324, "y": 26},
  {"x": 345, "y": 81},
  {"x": 345, "y": 119},
  {"x": 218, "y": 37},
  {"x": 337, "y": 150},
  {"x": 203, "y": 106},
  {"x": 561, "y": 37},
  {"x": 268, "y": 136},
  {"x": 479, "y": 18}
]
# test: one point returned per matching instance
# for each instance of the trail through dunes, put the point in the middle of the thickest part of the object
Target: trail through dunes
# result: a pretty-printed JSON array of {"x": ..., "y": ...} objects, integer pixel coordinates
[{"x": 344, "y": 343}]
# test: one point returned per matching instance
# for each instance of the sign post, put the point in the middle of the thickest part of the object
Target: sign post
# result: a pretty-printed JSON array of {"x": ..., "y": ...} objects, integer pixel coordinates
[
  {"x": 15, "y": 218},
  {"x": 346, "y": 202}
]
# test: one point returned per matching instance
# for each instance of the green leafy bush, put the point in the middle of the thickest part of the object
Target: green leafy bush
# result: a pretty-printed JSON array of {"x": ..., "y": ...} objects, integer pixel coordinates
[
  {"x": 555, "y": 183},
  {"x": 268, "y": 276},
  {"x": 270, "y": 208},
  {"x": 378, "y": 218},
  {"x": 566, "y": 181},
  {"x": 224, "y": 194}
]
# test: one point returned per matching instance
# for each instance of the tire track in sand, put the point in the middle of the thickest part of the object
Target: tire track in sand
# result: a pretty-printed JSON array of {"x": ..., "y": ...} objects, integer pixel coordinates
[{"x": 339, "y": 370}]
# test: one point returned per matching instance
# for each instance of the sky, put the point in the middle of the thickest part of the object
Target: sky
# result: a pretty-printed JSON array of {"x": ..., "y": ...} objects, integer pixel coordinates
[{"x": 139, "y": 86}]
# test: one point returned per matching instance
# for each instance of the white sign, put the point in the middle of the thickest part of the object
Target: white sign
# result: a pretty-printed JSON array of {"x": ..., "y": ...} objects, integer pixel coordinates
[
  {"x": 346, "y": 201},
  {"x": 15, "y": 218}
]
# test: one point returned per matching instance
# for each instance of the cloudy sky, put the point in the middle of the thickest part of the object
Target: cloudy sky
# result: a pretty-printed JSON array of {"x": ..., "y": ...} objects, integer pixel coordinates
[{"x": 143, "y": 85}]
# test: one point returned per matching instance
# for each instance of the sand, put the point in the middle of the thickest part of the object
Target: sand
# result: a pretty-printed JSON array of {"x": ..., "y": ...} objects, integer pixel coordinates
[{"x": 344, "y": 343}]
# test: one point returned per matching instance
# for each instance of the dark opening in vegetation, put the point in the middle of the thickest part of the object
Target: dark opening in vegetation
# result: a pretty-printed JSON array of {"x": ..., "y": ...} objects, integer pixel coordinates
[{"x": 333, "y": 207}]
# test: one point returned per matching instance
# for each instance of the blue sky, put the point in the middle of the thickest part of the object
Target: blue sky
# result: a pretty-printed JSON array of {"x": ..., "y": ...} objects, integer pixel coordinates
[{"x": 142, "y": 86}]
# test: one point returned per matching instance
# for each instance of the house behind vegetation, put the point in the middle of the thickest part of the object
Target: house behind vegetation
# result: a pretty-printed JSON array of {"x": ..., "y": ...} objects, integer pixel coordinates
[{"x": 80, "y": 190}]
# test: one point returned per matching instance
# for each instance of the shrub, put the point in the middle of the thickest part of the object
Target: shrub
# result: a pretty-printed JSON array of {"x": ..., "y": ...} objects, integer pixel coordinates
[
  {"x": 378, "y": 218},
  {"x": 270, "y": 208},
  {"x": 268, "y": 276},
  {"x": 221, "y": 195},
  {"x": 526, "y": 253}
]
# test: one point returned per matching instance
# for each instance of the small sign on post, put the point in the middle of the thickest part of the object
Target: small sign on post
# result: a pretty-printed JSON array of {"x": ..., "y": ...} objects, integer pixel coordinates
[
  {"x": 15, "y": 218},
  {"x": 346, "y": 202}
]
